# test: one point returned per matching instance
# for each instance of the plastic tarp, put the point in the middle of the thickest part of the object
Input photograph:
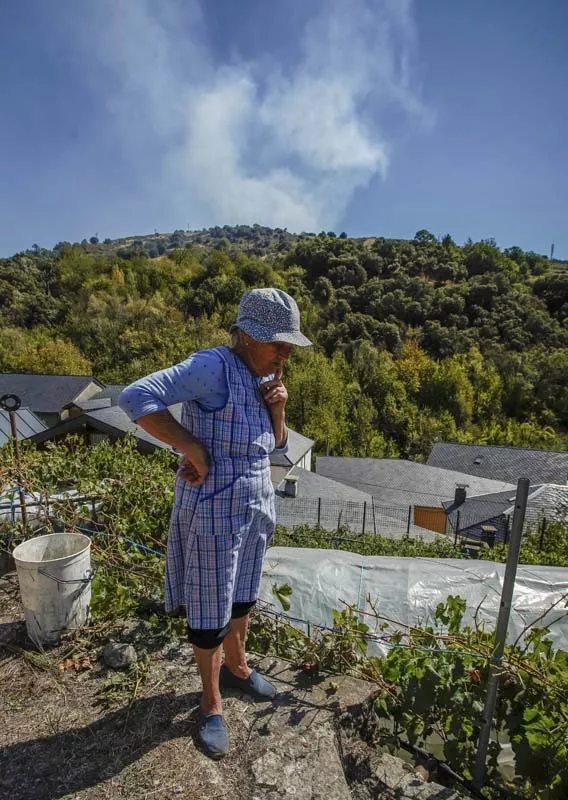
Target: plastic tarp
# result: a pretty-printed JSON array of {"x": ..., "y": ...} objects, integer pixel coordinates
[{"x": 409, "y": 589}]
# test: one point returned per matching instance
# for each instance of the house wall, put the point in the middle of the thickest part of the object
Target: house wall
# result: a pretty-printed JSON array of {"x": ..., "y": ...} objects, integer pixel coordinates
[
  {"x": 48, "y": 419},
  {"x": 88, "y": 392},
  {"x": 70, "y": 413},
  {"x": 306, "y": 461},
  {"x": 475, "y": 532}
]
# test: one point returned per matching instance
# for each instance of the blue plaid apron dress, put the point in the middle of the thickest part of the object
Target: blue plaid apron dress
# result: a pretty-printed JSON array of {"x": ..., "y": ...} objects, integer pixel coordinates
[{"x": 220, "y": 530}]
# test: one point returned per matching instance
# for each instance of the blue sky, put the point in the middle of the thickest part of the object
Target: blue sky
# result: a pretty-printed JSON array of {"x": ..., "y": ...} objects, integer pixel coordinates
[{"x": 377, "y": 117}]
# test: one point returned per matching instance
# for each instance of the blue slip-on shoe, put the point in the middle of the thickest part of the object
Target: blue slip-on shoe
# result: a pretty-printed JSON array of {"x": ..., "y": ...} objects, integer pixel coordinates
[
  {"x": 255, "y": 684},
  {"x": 213, "y": 735}
]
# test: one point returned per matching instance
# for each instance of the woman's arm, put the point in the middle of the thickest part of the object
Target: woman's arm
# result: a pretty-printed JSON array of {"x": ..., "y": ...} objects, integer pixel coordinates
[
  {"x": 279, "y": 428},
  {"x": 201, "y": 377},
  {"x": 164, "y": 427},
  {"x": 275, "y": 396}
]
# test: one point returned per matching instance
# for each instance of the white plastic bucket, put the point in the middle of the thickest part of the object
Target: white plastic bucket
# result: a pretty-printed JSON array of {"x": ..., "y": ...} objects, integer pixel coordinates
[{"x": 54, "y": 573}]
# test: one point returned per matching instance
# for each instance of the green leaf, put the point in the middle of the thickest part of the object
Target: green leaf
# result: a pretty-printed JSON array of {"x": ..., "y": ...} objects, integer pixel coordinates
[{"x": 282, "y": 593}]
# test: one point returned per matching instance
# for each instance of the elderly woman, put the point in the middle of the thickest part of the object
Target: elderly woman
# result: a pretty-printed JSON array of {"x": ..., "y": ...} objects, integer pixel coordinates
[{"x": 223, "y": 516}]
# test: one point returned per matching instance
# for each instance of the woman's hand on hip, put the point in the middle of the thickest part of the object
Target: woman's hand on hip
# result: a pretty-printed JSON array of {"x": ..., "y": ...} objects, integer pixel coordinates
[
  {"x": 195, "y": 465},
  {"x": 275, "y": 393}
]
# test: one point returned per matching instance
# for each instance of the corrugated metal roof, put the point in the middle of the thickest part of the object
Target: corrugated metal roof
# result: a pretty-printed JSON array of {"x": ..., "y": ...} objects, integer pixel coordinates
[
  {"x": 27, "y": 424},
  {"x": 502, "y": 463}
]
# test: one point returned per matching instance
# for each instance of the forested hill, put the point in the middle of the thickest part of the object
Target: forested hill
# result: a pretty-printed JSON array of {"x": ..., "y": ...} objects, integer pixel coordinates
[{"x": 416, "y": 340}]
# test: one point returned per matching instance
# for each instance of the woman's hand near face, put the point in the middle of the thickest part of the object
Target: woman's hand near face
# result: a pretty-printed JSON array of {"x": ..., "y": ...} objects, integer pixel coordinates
[{"x": 275, "y": 394}]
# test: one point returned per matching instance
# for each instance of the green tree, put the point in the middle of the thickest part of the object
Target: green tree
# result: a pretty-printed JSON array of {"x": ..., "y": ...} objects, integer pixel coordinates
[
  {"x": 318, "y": 403},
  {"x": 425, "y": 237},
  {"x": 40, "y": 352},
  {"x": 445, "y": 386}
]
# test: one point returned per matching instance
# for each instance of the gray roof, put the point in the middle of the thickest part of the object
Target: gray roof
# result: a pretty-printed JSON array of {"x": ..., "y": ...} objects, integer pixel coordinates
[
  {"x": 115, "y": 419},
  {"x": 278, "y": 473},
  {"x": 298, "y": 445},
  {"x": 91, "y": 405},
  {"x": 396, "y": 482},
  {"x": 45, "y": 394},
  {"x": 339, "y": 503},
  {"x": 26, "y": 425},
  {"x": 312, "y": 486},
  {"x": 504, "y": 463},
  {"x": 476, "y": 510},
  {"x": 548, "y": 500},
  {"x": 112, "y": 391},
  {"x": 329, "y": 502},
  {"x": 110, "y": 420}
]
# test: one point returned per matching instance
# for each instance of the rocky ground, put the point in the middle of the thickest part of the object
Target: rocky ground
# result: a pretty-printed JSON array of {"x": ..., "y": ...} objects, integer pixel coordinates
[{"x": 73, "y": 727}]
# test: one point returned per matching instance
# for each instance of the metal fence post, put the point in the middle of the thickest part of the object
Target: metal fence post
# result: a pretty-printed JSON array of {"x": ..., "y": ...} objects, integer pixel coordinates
[
  {"x": 457, "y": 529},
  {"x": 506, "y": 535},
  {"x": 374, "y": 518},
  {"x": 542, "y": 533},
  {"x": 501, "y": 630},
  {"x": 11, "y": 403},
  {"x": 364, "y": 515},
  {"x": 319, "y": 512},
  {"x": 409, "y": 520}
]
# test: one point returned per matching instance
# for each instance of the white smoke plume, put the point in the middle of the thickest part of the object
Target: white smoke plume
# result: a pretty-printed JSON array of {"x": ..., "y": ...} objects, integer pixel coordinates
[{"x": 228, "y": 143}]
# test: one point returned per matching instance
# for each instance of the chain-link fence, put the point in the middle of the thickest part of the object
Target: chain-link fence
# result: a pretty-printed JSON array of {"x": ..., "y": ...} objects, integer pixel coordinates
[
  {"x": 329, "y": 514},
  {"x": 396, "y": 522},
  {"x": 367, "y": 517}
]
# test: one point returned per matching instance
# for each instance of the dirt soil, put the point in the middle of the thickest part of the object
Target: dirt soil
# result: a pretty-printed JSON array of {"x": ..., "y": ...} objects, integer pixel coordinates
[{"x": 58, "y": 742}]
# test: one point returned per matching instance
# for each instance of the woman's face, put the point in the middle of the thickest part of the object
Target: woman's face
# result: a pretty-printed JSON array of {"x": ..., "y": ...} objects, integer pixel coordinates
[{"x": 267, "y": 358}]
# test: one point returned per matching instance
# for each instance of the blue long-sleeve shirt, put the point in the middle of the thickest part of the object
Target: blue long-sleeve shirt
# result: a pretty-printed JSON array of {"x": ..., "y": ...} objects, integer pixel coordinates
[{"x": 200, "y": 377}]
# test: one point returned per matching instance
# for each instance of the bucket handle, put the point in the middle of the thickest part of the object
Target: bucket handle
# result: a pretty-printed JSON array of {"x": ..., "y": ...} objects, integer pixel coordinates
[{"x": 90, "y": 576}]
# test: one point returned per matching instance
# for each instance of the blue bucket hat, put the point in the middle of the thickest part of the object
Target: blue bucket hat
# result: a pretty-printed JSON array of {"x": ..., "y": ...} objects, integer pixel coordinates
[{"x": 271, "y": 315}]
